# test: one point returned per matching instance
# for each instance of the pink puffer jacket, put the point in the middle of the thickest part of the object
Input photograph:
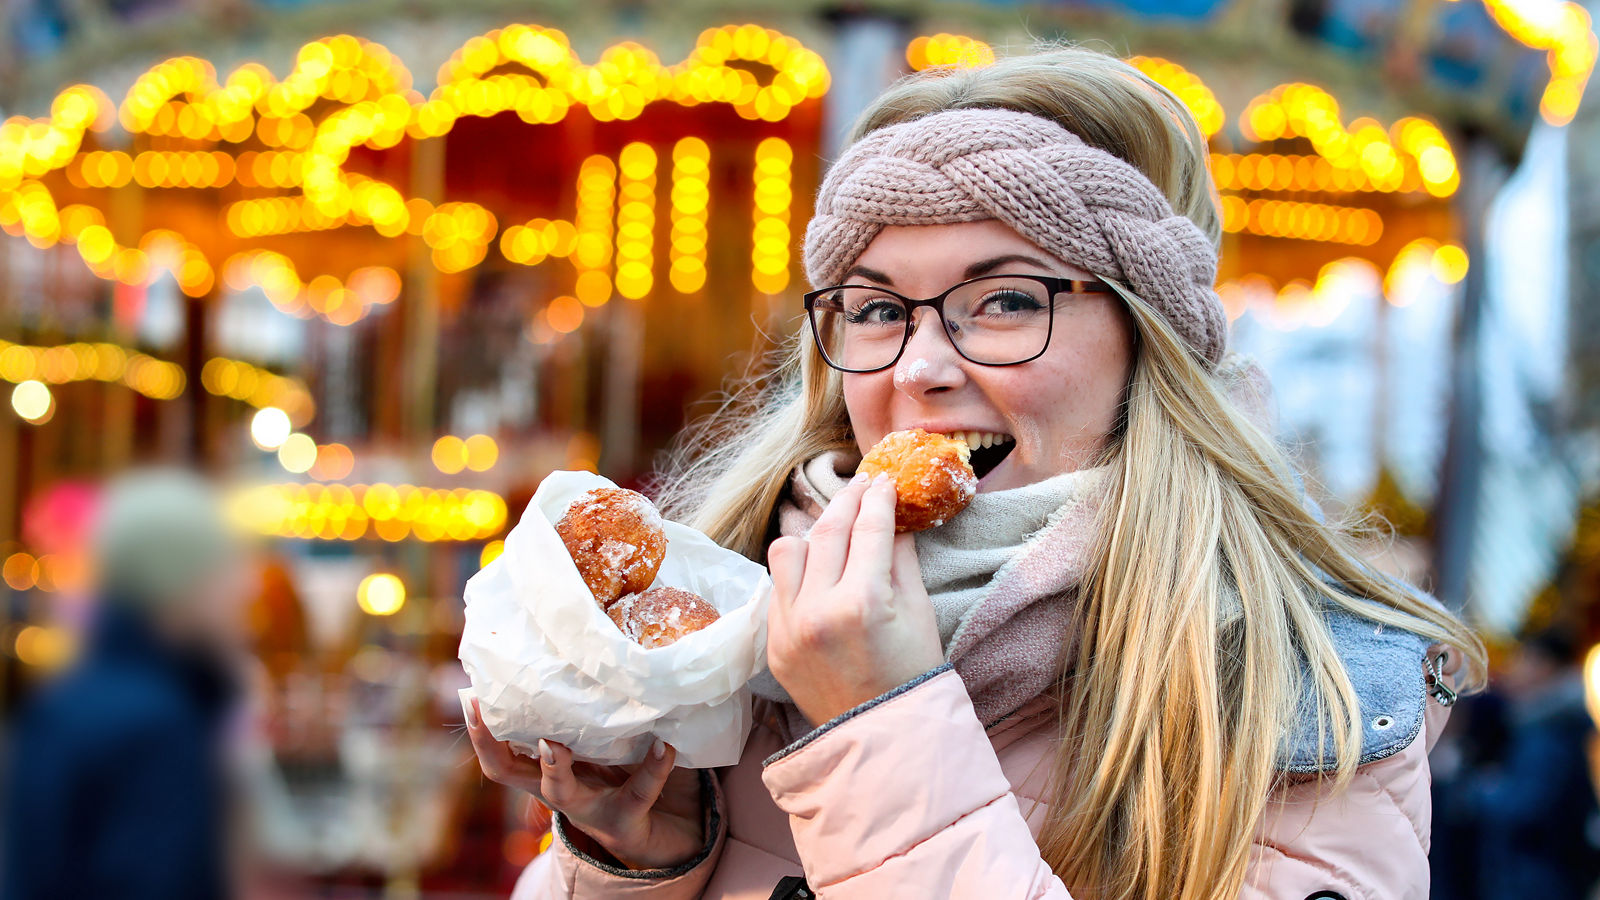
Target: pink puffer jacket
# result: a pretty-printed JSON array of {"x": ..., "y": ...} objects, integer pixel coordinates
[{"x": 908, "y": 796}]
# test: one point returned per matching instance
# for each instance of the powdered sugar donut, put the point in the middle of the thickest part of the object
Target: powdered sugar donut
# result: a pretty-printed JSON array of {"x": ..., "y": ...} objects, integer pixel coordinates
[
  {"x": 616, "y": 540},
  {"x": 661, "y": 615},
  {"x": 933, "y": 479}
]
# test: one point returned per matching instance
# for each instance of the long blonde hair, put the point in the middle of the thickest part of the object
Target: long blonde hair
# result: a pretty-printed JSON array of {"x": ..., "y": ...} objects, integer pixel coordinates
[{"x": 1202, "y": 612}]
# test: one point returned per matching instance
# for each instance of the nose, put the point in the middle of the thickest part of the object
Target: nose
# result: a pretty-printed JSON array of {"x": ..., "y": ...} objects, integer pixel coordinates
[{"x": 930, "y": 363}]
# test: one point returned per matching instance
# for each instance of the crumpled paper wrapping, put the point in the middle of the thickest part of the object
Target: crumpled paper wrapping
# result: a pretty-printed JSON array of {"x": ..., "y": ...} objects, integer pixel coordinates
[{"x": 546, "y": 662}]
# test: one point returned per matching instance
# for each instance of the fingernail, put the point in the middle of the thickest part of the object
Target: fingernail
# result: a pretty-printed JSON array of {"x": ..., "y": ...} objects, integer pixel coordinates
[
  {"x": 882, "y": 478},
  {"x": 861, "y": 478},
  {"x": 659, "y": 749},
  {"x": 546, "y": 755}
]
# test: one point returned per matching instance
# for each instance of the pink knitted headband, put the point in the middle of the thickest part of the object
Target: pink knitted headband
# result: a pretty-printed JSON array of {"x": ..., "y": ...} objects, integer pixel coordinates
[{"x": 1080, "y": 204}]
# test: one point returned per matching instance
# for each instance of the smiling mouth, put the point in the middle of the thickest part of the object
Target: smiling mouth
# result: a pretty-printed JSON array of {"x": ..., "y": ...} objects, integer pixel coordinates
[{"x": 989, "y": 449}]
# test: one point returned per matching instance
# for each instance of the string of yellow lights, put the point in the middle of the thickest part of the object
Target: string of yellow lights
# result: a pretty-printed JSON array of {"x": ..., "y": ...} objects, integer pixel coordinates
[
  {"x": 691, "y": 198},
  {"x": 1188, "y": 87},
  {"x": 182, "y": 98},
  {"x": 769, "y": 254},
  {"x": 943, "y": 49},
  {"x": 340, "y": 302},
  {"x": 258, "y": 387},
  {"x": 1302, "y": 221},
  {"x": 105, "y": 362},
  {"x": 636, "y": 220},
  {"x": 1298, "y": 172},
  {"x": 391, "y": 512},
  {"x": 1386, "y": 157},
  {"x": 1564, "y": 30}
]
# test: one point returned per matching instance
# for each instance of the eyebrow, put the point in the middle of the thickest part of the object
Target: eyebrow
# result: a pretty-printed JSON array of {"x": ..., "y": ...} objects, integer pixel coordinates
[
  {"x": 870, "y": 275},
  {"x": 989, "y": 265}
]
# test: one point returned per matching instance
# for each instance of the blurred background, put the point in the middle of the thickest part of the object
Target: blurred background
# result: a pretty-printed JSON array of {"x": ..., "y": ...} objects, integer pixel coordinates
[{"x": 373, "y": 269}]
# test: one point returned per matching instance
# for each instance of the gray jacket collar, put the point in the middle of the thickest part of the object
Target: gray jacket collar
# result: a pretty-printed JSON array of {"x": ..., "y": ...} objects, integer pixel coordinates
[{"x": 1386, "y": 667}]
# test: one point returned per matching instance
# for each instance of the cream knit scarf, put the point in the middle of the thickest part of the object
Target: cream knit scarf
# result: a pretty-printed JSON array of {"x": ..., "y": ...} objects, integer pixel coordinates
[{"x": 1000, "y": 575}]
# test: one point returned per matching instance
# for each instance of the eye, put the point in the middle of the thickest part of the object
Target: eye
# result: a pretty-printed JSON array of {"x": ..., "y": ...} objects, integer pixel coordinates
[
  {"x": 875, "y": 311},
  {"x": 1009, "y": 302}
]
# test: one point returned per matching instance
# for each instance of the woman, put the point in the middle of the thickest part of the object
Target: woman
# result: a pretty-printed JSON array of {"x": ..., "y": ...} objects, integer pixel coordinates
[{"x": 1137, "y": 666}]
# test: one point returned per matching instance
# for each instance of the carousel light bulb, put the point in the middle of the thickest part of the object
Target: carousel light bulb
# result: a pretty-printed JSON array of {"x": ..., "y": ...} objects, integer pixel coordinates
[
  {"x": 270, "y": 427},
  {"x": 32, "y": 401},
  {"x": 381, "y": 594},
  {"x": 298, "y": 453}
]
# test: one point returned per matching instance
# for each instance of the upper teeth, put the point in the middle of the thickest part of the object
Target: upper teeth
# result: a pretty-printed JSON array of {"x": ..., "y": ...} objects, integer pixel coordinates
[{"x": 976, "y": 439}]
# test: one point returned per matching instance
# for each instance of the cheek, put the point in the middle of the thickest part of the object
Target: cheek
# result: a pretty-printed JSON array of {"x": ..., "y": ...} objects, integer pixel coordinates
[
  {"x": 1072, "y": 389},
  {"x": 867, "y": 399}
]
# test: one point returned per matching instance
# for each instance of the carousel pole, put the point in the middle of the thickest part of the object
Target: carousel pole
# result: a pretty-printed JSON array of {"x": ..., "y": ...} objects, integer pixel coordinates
[
  {"x": 1380, "y": 385},
  {"x": 10, "y": 521},
  {"x": 1456, "y": 510},
  {"x": 619, "y": 423},
  {"x": 10, "y": 524},
  {"x": 421, "y": 340},
  {"x": 125, "y": 212},
  {"x": 198, "y": 451}
]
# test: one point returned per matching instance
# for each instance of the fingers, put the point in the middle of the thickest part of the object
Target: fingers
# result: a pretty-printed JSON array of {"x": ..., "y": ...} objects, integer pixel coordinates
[
  {"x": 498, "y": 762},
  {"x": 642, "y": 789},
  {"x": 872, "y": 539},
  {"x": 558, "y": 783},
  {"x": 905, "y": 571},
  {"x": 828, "y": 544},
  {"x": 786, "y": 559}
]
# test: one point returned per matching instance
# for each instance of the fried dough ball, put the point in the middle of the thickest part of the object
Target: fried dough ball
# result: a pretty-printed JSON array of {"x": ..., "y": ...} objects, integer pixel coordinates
[
  {"x": 616, "y": 540},
  {"x": 661, "y": 615},
  {"x": 933, "y": 479}
]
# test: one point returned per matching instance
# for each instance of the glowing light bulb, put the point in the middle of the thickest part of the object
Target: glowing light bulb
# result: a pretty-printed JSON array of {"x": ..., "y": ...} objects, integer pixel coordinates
[
  {"x": 381, "y": 594},
  {"x": 32, "y": 401},
  {"x": 298, "y": 453},
  {"x": 270, "y": 427}
]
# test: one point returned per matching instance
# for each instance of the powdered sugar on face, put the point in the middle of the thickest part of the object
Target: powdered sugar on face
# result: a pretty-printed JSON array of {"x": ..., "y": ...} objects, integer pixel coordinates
[{"x": 912, "y": 373}]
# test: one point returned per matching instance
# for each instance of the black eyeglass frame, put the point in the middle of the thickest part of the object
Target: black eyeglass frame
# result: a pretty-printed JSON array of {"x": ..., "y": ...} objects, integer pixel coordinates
[{"x": 1055, "y": 285}]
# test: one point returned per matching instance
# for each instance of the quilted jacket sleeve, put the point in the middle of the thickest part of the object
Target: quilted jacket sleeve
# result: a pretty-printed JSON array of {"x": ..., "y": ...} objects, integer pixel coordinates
[{"x": 934, "y": 818}]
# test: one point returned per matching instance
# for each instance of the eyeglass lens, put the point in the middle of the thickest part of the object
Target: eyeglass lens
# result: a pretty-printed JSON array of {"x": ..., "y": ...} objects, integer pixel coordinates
[{"x": 997, "y": 321}]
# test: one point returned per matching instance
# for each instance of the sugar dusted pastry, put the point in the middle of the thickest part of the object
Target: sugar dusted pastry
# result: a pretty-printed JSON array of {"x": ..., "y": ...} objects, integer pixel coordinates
[
  {"x": 661, "y": 615},
  {"x": 933, "y": 477},
  {"x": 616, "y": 540}
]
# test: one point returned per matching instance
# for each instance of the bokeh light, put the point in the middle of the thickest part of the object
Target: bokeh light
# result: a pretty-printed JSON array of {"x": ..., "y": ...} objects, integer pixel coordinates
[
  {"x": 491, "y": 552},
  {"x": 270, "y": 427},
  {"x": 481, "y": 452},
  {"x": 381, "y": 594},
  {"x": 298, "y": 453},
  {"x": 449, "y": 454},
  {"x": 32, "y": 401}
]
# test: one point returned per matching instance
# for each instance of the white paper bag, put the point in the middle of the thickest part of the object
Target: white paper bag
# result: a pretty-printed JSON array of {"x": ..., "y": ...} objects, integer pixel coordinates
[{"x": 546, "y": 662}]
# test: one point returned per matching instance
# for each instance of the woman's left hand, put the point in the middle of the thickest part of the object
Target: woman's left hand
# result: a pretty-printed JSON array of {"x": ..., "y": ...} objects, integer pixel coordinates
[{"x": 850, "y": 618}]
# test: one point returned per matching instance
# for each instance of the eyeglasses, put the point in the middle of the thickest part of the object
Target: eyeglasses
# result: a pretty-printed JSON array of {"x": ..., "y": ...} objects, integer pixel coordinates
[{"x": 996, "y": 320}]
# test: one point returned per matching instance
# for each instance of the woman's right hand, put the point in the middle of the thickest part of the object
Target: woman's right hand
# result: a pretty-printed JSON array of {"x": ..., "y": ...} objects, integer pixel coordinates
[{"x": 647, "y": 816}]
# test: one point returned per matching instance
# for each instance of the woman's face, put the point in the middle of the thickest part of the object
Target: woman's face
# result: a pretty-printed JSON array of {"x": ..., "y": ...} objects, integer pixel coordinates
[{"x": 1054, "y": 413}]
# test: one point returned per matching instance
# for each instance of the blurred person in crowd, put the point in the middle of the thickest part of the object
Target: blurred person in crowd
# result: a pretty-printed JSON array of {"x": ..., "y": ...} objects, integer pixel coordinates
[
  {"x": 1536, "y": 812},
  {"x": 113, "y": 780},
  {"x": 1474, "y": 741}
]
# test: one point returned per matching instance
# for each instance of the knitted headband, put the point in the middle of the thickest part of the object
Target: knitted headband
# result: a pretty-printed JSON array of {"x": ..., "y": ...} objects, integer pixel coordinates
[{"x": 1080, "y": 204}]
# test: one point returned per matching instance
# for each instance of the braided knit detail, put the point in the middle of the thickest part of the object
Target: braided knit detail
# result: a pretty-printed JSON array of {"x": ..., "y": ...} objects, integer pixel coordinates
[{"x": 1078, "y": 203}]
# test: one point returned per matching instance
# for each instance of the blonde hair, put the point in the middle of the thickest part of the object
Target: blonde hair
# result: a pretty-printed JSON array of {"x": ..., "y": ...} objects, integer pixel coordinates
[{"x": 1202, "y": 612}]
